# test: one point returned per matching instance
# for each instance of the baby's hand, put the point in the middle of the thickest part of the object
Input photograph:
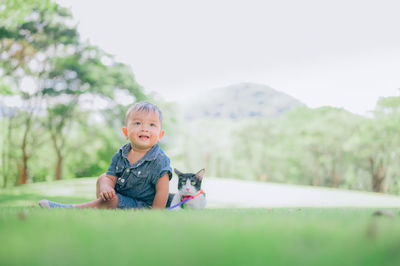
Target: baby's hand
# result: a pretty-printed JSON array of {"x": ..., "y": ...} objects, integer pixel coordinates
[{"x": 107, "y": 194}]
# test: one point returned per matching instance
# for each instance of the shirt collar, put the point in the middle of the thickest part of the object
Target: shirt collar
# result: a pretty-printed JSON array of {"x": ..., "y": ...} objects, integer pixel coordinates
[{"x": 149, "y": 156}]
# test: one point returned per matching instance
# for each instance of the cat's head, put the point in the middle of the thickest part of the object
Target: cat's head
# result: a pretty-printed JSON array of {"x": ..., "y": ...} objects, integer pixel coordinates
[{"x": 189, "y": 184}]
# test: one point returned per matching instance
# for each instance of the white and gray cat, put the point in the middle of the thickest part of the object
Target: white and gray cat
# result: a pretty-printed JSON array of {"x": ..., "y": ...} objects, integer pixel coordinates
[{"x": 189, "y": 184}]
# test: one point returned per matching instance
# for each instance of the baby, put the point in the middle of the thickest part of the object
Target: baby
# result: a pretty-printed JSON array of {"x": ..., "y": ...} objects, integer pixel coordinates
[{"x": 139, "y": 173}]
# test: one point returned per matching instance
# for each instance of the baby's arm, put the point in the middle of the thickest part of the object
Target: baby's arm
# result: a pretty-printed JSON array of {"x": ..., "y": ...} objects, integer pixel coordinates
[
  {"x": 106, "y": 184},
  {"x": 162, "y": 190}
]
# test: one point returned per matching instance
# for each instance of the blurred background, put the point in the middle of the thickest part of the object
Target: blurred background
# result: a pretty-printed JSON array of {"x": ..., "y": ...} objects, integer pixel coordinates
[{"x": 292, "y": 92}]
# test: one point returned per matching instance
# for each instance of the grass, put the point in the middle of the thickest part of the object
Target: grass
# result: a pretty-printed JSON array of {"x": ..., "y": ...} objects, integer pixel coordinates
[{"x": 33, "y": 236}]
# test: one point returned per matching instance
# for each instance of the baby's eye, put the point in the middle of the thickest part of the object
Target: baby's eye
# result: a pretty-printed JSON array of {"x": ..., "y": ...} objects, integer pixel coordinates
[
  {"x": 193, "y": 182},
  {"x": 152, "y": 125},
  {"x": 137, "y": 123}
]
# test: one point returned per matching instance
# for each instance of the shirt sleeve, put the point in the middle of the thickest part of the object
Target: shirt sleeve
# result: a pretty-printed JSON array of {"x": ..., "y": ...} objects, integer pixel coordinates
[
  {"x": 165, "y": 168},
  {"x": 111, "y": 169}
]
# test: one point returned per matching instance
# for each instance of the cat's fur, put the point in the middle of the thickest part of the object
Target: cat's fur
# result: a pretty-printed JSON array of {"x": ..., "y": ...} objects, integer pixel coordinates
[{"x": 189, "y": 184}]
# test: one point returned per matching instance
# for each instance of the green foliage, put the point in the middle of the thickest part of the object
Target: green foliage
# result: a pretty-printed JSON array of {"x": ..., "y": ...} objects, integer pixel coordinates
[
  {"x": 91, "y": 149},
  {"x": 388, "y": 105},
  {"x": 322, "y": 147},
  {"x": 5, "y": 89},
  {"x": 14, "y": 12},
  {"x": 37, "y": 42}
]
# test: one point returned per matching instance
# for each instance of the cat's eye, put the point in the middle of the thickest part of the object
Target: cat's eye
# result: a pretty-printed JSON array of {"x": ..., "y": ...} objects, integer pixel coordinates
[{"x": 193, "y": 182}]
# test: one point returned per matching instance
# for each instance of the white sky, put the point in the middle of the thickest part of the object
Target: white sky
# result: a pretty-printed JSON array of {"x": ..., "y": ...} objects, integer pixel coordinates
[{"x": 342, "y": 53}]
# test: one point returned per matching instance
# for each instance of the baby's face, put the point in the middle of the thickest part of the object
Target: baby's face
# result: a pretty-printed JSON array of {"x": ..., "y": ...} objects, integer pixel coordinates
[{"x": 143, "y": 129}]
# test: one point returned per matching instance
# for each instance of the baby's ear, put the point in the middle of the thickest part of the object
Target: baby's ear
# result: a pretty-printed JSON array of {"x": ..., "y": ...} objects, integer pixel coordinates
[
  {"x": 200, "y": 174},
  {"x": 162, "y": 132},
  {"x": 177, "y": 172},
  {"x": 125, "y": 132}
]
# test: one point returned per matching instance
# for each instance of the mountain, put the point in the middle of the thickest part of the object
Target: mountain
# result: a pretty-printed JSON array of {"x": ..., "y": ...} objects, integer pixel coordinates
[{"x": 239, "y": 101}]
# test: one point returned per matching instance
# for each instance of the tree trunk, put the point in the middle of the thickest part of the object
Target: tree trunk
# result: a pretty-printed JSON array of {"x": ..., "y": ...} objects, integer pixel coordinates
[
  {"x": 5, "y": 169},
  {"x": 378, "y": 176},
  {"x": 334, "y": 175},
  {"x": 59, "y": 167},
  {"x": 58, "y": 148},
  {"x": 5, "y": 172},
  {"x": 23, "y": 167},
  {"x": 316, "y": 174},
  {"x": 6, "y": 153}
]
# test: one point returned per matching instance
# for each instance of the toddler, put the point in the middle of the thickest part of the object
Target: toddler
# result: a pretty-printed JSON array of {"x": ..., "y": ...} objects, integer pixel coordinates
[{"x": 139, "y": 173}]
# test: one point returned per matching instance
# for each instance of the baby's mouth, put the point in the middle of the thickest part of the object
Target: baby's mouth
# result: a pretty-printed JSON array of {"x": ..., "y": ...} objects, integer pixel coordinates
[{"x": 143, "y": 137}]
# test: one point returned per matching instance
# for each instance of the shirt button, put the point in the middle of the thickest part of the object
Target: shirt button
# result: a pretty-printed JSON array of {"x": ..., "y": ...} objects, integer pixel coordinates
[
  {"x": 122, "y": 180},
  {"x": 139, "y": 173},
  {"x": 127, "y": 170}
]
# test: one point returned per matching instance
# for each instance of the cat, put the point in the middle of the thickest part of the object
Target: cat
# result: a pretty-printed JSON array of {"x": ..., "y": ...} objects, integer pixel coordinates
[{"x": 189, "y": 184}]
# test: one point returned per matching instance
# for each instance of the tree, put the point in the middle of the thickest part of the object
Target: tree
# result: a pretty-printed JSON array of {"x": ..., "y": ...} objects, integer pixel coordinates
[
  {"x": 81, "y": 73},
  {"x": 27, "y": 44},
  {"x": 38, "y": 43},
  {"x": 383, "y": 132}
]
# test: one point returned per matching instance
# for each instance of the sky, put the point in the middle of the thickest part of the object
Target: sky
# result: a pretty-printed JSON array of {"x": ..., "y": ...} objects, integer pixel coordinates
[{"x": 342, "y": 53}]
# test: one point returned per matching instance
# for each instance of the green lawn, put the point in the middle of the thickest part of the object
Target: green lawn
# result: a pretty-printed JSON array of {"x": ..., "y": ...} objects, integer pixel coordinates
[{"x": 33, "y": 236}]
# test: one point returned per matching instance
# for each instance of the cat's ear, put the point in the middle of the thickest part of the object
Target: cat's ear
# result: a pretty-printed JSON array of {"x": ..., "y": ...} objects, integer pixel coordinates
[
  {"x": 177, "y": 172},
  {"x": 200, "y": 174}
]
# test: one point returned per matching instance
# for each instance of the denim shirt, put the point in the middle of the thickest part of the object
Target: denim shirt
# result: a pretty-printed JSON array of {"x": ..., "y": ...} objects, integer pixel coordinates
[{"x": 139, "y": 180}]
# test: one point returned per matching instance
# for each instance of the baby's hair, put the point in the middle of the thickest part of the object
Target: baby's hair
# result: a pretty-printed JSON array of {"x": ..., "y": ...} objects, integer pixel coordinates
[{"x": 144, "y": 107}]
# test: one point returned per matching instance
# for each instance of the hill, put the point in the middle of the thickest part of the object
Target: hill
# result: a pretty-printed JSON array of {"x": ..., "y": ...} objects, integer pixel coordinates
[{"x": 239, "y": 101}]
